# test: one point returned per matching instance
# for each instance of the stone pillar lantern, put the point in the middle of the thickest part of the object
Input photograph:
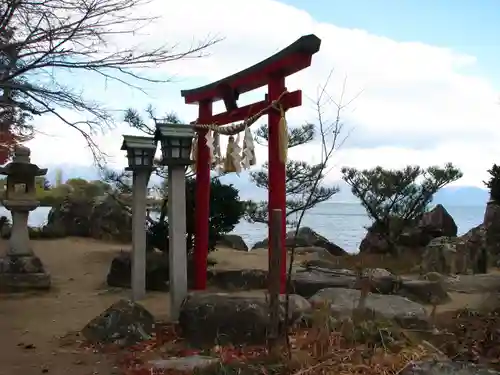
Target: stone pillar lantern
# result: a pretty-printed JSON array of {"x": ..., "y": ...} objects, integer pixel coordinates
[
  {"x": 20, "y": 268},
  {"x": 140, "y": 155},
  {"x": 176, "y": 140}
]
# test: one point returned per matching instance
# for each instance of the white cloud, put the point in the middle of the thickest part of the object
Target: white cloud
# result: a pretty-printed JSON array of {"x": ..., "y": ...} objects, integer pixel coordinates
[{"x": 419, "y": 105}]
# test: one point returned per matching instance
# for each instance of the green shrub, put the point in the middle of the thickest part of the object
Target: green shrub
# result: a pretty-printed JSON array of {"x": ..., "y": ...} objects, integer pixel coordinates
[{"x": 226, "y": 210}]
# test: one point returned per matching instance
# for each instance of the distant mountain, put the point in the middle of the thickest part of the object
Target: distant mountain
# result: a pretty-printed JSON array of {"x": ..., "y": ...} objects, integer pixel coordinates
[
  {"x": 462, "y": 196},
  {"x": 72, "y": 171},
  {"x": 448, "y": 196}
]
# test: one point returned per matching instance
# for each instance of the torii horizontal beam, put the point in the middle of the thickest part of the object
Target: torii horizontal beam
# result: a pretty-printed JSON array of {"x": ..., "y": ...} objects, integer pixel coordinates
[
  {"x": 289, "y": 100},
  {"x": 290, "y": 60}
]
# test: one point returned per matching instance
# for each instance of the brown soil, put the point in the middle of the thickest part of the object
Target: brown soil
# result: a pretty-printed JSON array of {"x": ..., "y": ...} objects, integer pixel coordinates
[
  {"x": 38, "y": 329},
  {"x": 32, "y": 324}
]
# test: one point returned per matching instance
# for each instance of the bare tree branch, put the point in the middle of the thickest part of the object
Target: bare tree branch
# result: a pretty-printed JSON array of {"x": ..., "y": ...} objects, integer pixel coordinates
[
  {"x": 330, "y": 142},
  {"x": 41, "y": 40}
]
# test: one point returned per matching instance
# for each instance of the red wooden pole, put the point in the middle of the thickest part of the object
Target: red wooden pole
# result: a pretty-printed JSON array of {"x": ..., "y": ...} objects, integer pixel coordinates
[
  {"x": 277, "y": 196},
  {"x": 202, "y": 200}
]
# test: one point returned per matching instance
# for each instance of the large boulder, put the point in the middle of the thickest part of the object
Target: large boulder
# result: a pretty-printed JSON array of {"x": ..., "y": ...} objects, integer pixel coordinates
[
  {"x": 233, "y": 241},
  {"x": 208, "y": 318},
  {"x": 438, "y": 222},
  {"x": 440, "y": 256},
  {"x": 374, "y": 242},
  {"x": 157, "y": 271},
  {"x": 343, "y": 302},
  {"x": 306, "y": 237},
  {"x": 157, "y": 274},
  {"x": 124, "y": 323},
  {"x": 474, "y": 250},
  {"x": 435, "y": 223},
  {"x": 457, "y": 255}
]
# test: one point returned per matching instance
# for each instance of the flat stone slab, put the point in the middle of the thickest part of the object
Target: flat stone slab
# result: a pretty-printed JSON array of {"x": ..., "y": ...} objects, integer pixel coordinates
[
  {"x": 446, "y": 368},
  {"x": 184, "y": 363},
  {"x": 308, "y": 282},
  {"x": 22, "y": 282},
  {"x": 473, "y": 283},
  {"x": 343, "y": 302},
  {"x": 424, "y": 291}
]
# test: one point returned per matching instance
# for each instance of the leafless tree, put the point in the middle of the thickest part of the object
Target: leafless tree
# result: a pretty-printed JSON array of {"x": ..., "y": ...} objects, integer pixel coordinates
[
  {"x": 40, "y": 40},
  {"x": 332, "y": 135}
]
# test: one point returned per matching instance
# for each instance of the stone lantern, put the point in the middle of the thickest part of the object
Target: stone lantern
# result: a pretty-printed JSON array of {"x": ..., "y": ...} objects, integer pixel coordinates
[
  {"x": 20, "y": 268},
  {"x": 176, "y": 140},
  {"x": 140, "y": 155}
]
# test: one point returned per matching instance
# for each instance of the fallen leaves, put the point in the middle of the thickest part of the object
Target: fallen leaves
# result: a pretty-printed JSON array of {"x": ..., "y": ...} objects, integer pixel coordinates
[
  {"x": 470, "y": 336},
  {"x": 367, "y": 348}
]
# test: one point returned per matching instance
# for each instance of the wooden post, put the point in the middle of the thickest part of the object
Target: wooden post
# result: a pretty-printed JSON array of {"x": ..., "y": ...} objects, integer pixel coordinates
[{"x": 274, "y": 275}]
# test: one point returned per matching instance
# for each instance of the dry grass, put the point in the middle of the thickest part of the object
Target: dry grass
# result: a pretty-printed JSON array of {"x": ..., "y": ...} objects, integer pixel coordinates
[
  {"x": 338, "y": 348},
  {"x": 470, "y": 335},
  {"x": 360, "y": 345},
  {"x": 33, "y": 324}
]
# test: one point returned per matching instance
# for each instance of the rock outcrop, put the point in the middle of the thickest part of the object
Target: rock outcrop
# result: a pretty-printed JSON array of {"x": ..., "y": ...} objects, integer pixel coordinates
[
  {"x": 306, "y": 237},
  {"x": 435, "y": 223},
  {"x": 157, "y": 274},
  {"x": 210, "y": 318},
  {"x": 233, "y": 241},
  {"x": 343, "y": 302},
  {"x": 124, "y": 323},
  {"x": 457, "y": 255}
]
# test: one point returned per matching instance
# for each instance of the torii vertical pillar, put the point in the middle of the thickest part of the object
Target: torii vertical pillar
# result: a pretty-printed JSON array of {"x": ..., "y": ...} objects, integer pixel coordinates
[
  {"x": 202, "y": 206},
  {"x": 271, "y": 72},
  {"x": 277, "y": 180}
]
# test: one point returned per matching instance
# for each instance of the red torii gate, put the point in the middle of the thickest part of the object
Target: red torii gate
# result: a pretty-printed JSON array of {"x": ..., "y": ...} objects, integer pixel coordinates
[{"x": 271, "y": 72}]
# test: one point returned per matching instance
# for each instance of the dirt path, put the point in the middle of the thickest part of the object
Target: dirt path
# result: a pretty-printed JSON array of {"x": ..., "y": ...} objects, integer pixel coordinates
[{"x": 33, "y": 326}]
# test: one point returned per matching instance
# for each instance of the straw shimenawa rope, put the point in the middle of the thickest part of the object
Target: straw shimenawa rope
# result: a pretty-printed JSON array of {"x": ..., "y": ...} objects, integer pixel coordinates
[
  {"x": 237, "y": 128},
  {"x": 233, "y": 162}
]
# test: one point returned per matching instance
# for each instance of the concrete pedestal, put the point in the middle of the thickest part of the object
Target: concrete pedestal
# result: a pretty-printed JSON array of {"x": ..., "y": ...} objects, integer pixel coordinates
[
  {"x": 22, "y": 273},
  {"x": 20, "y": 268}
]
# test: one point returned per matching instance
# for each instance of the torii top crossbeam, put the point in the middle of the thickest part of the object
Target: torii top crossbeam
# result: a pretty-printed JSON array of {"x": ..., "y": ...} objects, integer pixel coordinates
[{"x": 292, "y": 59}]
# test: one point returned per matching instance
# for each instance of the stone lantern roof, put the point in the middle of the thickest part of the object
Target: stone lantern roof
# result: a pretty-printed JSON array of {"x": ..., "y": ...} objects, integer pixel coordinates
[{"x": 21, "y": 164}]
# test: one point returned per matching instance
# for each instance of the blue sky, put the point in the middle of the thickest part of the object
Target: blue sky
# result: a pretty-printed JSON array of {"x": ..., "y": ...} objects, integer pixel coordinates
[
  {"x": 467, "y": 26},
  {"x": 427, "y": 70}
]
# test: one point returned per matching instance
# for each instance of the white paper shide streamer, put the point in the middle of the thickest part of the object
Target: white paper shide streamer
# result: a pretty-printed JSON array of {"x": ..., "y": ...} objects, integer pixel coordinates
[{"x": 248, "y": 155}]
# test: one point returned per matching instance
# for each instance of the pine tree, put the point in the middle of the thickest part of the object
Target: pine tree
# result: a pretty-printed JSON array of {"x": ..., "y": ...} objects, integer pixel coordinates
[{"x": 301, "y": 178}]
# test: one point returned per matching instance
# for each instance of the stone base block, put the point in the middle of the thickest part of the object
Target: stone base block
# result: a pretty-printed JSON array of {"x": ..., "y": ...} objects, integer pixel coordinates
[
  {"x": 21, "y": 282},
  {"x": 19, "y": 273},
  {"x": 20, "y": 264}
]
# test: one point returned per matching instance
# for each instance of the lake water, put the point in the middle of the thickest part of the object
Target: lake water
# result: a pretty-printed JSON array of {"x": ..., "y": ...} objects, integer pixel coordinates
[{"x": 342, "y": 223}]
